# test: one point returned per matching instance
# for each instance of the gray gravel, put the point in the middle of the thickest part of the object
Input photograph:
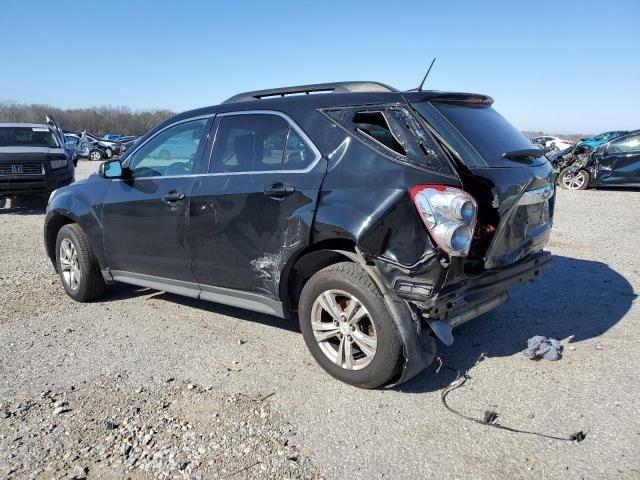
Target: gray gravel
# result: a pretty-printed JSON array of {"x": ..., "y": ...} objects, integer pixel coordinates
[{"x": 109, "y": 389}]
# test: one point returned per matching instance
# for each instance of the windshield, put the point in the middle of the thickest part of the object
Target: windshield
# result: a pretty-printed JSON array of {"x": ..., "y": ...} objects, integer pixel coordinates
[
  {"x": 28, "y": 137},
  {"x": 480, "y": 134}
]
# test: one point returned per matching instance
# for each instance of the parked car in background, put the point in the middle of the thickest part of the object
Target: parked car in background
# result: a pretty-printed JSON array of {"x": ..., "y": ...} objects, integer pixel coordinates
[
  {"x": 33, "y": 158},
  {"x": 382, "y": 219},
  {"x": 615, "y": 163},
  {"x": 108, "y": 147},
  {"x": 127, "y": 143},
  {"x": 84, "y": 147},
  {"x": 593, "y": 142},
  {"x": 114, "y": 137},
  {"x": 551, "y": 144}
]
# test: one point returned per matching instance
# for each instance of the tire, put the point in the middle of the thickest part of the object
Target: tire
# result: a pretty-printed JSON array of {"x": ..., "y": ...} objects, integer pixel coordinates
[
  {"x": 83, "y": 267},
  {"x": 572, "y": 180},
  {"x": 344, "y": 283},
  {"x": 96, "y": 155}
]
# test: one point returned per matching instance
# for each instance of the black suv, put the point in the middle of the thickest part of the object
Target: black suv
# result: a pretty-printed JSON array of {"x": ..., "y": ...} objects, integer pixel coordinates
[
  {"x": 33, "y": 158},
  {"x": 382, "y": 218}
]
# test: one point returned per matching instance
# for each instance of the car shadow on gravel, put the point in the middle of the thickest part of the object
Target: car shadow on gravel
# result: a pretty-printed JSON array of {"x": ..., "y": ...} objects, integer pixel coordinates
[
  {"x": 576, "y": 301},
  {"x": 31, "y": 205}
]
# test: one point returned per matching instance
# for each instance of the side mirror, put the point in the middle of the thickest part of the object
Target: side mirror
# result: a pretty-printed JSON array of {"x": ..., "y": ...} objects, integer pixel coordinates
[{"x": 112, "y": 169}]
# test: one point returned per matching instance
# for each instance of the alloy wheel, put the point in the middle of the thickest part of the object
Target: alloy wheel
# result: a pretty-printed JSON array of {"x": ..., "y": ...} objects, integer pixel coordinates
[
  {"x": 95, "y": 156},
  {"x": 69, "y": 264},
  {"x": 573, "y": 180},
  {"x": 344, "y": 329}
]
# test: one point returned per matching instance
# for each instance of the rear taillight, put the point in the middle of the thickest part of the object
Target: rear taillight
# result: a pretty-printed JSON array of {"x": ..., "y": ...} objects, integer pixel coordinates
[{"x": 449, "y": 215}]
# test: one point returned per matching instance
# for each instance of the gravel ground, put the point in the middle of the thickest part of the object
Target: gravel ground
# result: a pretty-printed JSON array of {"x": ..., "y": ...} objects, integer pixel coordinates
[{"x": 145, "y": 384}]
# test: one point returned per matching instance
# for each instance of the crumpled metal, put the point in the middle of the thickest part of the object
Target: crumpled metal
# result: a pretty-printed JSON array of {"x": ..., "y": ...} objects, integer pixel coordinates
[{"x": 539, "y": 347}]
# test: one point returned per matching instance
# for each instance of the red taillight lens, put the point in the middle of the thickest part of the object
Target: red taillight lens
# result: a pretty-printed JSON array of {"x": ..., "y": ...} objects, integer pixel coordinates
[{"x": 449, "y": 215}]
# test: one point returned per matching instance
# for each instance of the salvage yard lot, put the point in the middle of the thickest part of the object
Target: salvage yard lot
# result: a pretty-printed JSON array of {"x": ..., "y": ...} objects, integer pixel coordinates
[{"x": 145, "y": 384}]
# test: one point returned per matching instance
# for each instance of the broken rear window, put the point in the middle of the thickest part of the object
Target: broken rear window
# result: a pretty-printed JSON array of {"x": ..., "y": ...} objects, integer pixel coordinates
[{"x": 394, "y": 132}]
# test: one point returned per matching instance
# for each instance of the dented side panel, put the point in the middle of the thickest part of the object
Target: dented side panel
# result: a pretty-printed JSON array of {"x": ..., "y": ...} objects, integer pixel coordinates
[
  {"x": 242, "y": 239},
  {"x": 365, "y": 199}
]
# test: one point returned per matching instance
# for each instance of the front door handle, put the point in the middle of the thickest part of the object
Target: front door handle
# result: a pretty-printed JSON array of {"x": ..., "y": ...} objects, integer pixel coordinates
[
  {"x": 173, "y": 197},
  {"x": 279, "y": 190}
]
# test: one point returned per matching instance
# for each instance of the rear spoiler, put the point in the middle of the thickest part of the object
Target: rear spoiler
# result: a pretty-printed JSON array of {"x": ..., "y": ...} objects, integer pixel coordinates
[{"x": 453, "y": 97}]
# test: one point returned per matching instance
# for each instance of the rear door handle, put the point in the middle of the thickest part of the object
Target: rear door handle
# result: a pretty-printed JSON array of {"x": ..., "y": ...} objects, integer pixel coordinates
[
  {"x": 173, "y": 197},
  {"x": 279, "y": 190}
]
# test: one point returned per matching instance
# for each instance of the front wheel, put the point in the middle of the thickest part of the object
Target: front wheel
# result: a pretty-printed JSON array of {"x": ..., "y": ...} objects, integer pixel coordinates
[
  {"x": 347, "y": 327},
  {"x": 572, "y": 179},
  {"x": 96, "y": 155},
  {"x": 77, "y": 264}
]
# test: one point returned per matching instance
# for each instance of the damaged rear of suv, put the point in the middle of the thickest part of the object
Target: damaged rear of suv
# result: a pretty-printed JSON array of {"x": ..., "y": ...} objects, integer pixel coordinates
[{"x": 382, "y": 218}]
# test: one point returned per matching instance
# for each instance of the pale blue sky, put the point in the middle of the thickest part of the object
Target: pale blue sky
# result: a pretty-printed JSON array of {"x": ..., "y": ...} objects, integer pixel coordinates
[{"x": 569, "y": 66}]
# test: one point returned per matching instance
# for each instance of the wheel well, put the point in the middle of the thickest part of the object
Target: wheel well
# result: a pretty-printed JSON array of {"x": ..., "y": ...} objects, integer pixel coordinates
[
  {"x": 307, "y": 263},
  {"x": 53, "y": 227}
]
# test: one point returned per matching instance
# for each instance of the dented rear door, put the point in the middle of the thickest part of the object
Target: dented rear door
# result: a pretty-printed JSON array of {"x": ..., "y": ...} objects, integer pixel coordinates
[{"x": 252, "y": 212}]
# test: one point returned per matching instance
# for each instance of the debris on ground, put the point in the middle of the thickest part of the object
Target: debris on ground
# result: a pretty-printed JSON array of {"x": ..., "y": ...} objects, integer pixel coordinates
[
  {"x": 166, "y": 431},
  {"x": 542, "y": 347}
]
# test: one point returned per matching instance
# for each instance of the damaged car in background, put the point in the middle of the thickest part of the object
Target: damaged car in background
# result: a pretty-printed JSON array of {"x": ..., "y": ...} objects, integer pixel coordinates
[
  {"x": 615, "y": 163},
  {"x": 382, "y": 219}
]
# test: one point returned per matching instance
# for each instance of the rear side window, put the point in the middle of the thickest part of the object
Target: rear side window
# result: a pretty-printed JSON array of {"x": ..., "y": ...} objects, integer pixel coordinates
[
  {"x": 258, "y": 143},
  {"x": 28, "y": 137},
  {"x": 487, "y": 133},
  {"x": 393, "y": 131}
]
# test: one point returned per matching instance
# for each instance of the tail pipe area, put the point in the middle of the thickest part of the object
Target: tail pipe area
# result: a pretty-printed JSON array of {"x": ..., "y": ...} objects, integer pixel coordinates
[{"x": 443, "y": 327}]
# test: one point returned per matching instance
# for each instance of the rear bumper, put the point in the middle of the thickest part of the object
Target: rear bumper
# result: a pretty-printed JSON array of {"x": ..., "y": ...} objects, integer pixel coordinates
[
  {"x": 460, "y": 303},
  {"x": 36, "y": 184},
  {"x": 489, "y": 284}
]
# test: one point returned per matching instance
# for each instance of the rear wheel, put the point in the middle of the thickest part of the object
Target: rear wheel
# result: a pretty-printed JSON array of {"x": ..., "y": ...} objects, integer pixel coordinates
[
  {"x": 571, "y": 179},
  {"x": 347, "y": 327},
  {"x": 77, "y": 264}
]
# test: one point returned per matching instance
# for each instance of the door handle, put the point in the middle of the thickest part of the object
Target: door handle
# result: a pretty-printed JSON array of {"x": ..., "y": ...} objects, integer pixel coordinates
[
  {"x": 173, "y": 197},
  {"x": 279, "y": 190}
]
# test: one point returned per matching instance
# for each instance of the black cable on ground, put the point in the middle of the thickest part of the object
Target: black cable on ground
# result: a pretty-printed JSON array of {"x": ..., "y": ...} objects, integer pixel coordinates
[{"x": 489, "y": 416}]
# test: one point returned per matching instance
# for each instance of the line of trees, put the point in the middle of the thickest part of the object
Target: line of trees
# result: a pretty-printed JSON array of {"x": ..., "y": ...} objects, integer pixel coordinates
[{"x": 97, "y": 120}]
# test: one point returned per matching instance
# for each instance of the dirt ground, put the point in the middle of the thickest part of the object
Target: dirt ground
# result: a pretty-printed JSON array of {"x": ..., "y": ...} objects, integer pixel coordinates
[{"x": 144, "y": 384}]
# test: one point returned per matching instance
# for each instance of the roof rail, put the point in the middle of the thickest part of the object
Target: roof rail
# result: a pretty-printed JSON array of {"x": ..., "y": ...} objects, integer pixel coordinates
[{"x": 335, "y": 87}]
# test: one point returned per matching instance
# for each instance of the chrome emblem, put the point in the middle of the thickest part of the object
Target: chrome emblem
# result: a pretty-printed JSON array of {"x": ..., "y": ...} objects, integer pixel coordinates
[{"x": 16, "y": 168}]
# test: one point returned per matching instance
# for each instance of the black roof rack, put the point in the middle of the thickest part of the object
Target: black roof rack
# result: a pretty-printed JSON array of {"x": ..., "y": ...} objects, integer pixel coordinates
[{"x": 335, "y": 87}]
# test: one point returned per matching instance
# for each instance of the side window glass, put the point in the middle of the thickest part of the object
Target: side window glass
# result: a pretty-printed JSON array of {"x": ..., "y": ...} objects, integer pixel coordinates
[
  {"x": 298, "y": 155},
  {"x": 625, "y": 145},
  {"x": 171, "y": 152},
  {"x": 249, "y": 143}
]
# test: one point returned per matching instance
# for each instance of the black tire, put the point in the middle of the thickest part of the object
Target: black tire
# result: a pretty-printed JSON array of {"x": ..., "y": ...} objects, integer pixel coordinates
[
  {"x": 352, "y": 279},
  {"x": 91, "y": 284},
  {"x": 564, "y": 179},
  {"x": 99, "y": 152}
]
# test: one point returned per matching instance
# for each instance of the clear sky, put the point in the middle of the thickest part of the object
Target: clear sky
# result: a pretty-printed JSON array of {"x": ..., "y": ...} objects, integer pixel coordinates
[{"x": 558, "y": 66}]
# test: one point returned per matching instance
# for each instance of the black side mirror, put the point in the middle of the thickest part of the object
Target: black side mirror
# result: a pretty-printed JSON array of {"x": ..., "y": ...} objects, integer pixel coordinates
[{"x": 111, "y": 169}]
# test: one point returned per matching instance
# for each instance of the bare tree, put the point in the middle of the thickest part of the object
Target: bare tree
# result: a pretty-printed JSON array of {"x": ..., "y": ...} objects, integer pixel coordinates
[{"x": 98, "y": 120}]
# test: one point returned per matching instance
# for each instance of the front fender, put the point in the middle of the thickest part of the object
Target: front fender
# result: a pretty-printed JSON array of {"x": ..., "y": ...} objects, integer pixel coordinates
[{"x": 74, "y": 205}]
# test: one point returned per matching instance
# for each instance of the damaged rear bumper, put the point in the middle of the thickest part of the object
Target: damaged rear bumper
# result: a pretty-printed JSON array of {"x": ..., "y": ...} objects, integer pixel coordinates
[
  {"x": 452, "y": 306},
  {"x": 460, "y": 303}
]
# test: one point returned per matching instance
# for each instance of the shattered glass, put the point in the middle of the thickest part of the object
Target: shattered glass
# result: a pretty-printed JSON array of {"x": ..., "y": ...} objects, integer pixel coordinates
[{"x": 421, "y": 149}]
